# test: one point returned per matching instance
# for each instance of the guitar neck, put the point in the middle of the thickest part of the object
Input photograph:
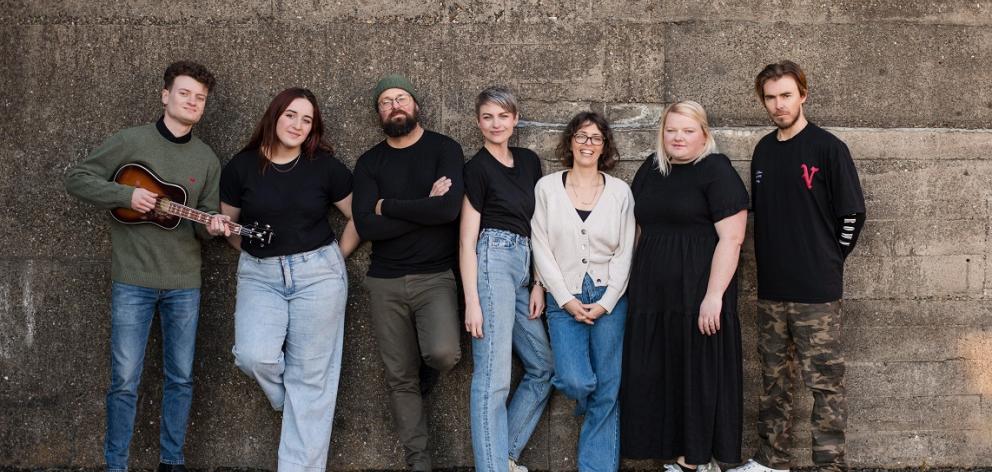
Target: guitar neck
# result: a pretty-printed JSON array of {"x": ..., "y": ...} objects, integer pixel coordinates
[{"x": 192, "y": 214}]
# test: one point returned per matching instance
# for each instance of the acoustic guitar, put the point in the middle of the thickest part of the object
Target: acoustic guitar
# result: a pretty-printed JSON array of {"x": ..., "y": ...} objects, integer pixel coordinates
[{"x": 170, "y": 208}]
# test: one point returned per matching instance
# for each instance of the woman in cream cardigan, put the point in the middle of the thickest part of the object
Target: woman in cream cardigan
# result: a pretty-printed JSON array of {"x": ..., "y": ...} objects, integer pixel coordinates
[{"x": 583, "y": 236}]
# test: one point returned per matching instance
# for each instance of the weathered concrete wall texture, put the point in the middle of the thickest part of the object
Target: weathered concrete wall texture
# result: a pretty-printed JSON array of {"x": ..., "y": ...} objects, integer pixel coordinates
[{"x": 906, "y": 84}]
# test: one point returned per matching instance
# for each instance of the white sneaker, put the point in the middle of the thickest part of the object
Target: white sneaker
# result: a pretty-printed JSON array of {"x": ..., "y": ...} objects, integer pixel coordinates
[
  {"x": 514, "y": 467},
  {"x": 752, "y": 466},
  {"x": 712, "y": 466}
]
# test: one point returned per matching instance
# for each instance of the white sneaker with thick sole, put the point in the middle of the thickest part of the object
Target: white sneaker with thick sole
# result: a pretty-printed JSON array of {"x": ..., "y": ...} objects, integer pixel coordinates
[
  {"x": 514, "y": 467},
  {"x": 672, "y": 468},
  {"x": 712, "y": 466},
  {"x": 752, "y": 466}
]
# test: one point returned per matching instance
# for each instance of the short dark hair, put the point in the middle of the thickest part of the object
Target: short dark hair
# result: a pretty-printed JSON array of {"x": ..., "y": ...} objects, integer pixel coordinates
[
  {"x": 607, "y": 160},
  {"x": 192, "y": 69},
  {"x": 777, "y": 71}
]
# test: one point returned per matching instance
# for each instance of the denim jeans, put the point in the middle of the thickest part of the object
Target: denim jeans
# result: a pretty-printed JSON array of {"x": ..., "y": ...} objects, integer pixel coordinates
[
  {"x": 587, "y": 370},
  {"x": 288, "y": 336},
  {"x": 132, "y": 310},
  {"x": 500, "y": 432}
]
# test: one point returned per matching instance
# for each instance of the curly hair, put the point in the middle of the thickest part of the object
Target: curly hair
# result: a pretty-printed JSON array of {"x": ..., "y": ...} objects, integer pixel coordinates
[
  {"x": 191, "y": 69},
  {"x": 607, "y": 160}
]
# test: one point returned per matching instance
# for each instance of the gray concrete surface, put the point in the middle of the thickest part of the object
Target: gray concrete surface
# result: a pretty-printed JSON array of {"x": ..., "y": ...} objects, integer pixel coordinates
[{"x": 906, "y": 84}]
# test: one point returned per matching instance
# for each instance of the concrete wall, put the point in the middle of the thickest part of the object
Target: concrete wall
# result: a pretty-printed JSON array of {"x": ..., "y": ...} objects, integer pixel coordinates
[{"x": 906, "y": 84}]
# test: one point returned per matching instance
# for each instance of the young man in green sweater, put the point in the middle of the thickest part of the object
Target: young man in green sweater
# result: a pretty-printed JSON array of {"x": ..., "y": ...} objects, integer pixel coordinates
[{"x": 154, "y": 267}]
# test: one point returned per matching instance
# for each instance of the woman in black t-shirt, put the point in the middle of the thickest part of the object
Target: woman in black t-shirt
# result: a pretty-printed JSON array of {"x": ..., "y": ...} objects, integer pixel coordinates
[
  {"x": 292, "y": 290},
  {"x": 680, "y": 395},
  {"x": 501, "y": 313}
]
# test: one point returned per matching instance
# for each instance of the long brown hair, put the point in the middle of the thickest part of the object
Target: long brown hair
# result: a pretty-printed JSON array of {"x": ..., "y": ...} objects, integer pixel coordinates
[{"x": 264, "y": 137}]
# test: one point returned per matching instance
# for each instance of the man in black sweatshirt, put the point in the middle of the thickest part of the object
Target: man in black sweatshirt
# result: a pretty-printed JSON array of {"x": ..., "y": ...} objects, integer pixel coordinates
[
  {"x": 407, "y": 194},
  {"x": 808, "y": 211}
]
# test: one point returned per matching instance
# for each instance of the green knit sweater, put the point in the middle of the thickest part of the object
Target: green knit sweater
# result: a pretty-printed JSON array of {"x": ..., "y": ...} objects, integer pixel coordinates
[{"x": 145, "y": 254}]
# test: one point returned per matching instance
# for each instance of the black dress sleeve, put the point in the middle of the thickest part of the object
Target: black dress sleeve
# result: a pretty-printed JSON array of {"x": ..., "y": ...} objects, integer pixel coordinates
[
  {"x": 475, "y": 183},
  {"x": 638, "y": 183},
  {"x": 725, "y": 191},
  {"x": 231, "y": 185}
]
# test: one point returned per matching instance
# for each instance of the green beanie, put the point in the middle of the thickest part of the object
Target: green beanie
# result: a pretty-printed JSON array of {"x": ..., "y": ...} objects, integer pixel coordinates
[{"x": 393, "y": 81}]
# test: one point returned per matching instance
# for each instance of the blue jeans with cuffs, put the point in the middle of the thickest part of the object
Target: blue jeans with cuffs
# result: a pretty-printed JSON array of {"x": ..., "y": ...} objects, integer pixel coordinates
[
  {"x": 587, "y": 369},
  {"x": 500, "y": 431}
]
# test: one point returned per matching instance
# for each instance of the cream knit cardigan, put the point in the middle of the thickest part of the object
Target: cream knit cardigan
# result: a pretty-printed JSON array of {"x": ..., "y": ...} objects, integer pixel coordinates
[{"x": 566, "y": 248}]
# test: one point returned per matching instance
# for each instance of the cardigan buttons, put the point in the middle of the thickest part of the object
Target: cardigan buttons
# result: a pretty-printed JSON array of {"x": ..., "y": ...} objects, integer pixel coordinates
[
  {"x": 584, "y": 261},
  {"x": 583, "y": 231}
]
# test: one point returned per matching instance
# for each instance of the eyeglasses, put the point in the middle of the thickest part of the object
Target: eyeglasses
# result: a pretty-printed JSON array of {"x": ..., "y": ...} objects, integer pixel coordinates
[
  {"x": 399, "y": 101},
  {"x": 582, "y": 138}
]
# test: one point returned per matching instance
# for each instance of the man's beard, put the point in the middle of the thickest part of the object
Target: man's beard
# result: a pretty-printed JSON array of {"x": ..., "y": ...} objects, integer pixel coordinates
[
  {"x": 395, "y": 129},
  {"x": 788, "y": 124}
]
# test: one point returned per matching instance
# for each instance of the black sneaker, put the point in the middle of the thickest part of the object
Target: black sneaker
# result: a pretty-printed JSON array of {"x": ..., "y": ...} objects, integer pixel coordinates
[{"x": 171, "y": 467}]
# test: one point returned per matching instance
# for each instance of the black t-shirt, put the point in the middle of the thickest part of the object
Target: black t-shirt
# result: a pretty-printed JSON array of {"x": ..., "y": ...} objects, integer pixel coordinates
[
  {"x": 504, "y": 196},
  {"x": 799, "y": 188},
  {"x": 416, "y": 233},
  {"x": 292, "y": 198}
]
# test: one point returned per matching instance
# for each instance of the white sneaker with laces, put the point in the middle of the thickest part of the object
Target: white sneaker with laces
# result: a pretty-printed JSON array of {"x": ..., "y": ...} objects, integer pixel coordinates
[
  {"x": 672, "y": 468},
  {"x": 514, "y": 467},
  {"x": 752, "y": 466},
  {"x": 712, "y": 466}
]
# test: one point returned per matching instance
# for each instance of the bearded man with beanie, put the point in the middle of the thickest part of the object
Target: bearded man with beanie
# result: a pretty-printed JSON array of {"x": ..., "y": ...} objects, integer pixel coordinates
[{"x": 407, "y": 195}]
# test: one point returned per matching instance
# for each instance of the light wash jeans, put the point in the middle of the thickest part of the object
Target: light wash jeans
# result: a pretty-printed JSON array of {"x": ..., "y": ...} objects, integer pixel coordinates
[
  {"x": 500, "y": 432},
  {"x": 587, "y": 369},
  {"x": 288, "y": 336},
  {"x": 132, "y": 310}
]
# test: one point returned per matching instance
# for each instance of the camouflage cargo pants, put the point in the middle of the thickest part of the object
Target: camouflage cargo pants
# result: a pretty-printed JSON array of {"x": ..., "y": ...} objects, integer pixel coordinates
[{"x": 813, "y": 332}]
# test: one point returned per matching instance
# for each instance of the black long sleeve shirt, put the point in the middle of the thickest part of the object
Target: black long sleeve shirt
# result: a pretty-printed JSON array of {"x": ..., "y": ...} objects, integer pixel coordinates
[{"x": 416, "y": 233}]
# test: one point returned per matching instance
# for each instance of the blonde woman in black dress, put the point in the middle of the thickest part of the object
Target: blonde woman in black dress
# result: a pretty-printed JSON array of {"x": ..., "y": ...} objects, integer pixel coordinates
[{"x": 681, "y": 382}]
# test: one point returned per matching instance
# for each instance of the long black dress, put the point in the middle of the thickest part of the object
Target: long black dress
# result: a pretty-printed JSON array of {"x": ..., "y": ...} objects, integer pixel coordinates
[{"x": 681, "y": 390}]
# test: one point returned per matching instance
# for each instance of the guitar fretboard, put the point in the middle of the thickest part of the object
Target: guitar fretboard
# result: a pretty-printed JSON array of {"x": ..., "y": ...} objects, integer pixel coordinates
[{"x": 192, "y": 214}]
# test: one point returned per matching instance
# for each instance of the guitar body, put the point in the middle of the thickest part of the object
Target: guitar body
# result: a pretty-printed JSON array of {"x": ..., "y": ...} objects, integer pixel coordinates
[{"x": 137, "y": 175}]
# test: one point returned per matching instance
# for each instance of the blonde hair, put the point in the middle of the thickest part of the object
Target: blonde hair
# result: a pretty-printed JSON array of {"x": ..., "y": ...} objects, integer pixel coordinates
[{"x": 689, "y": 109}]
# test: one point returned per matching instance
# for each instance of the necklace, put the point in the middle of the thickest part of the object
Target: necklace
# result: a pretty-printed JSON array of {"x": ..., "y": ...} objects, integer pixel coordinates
[
  {"x": 296, "y": 160},
  {"x": 595, "y": 194}
]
